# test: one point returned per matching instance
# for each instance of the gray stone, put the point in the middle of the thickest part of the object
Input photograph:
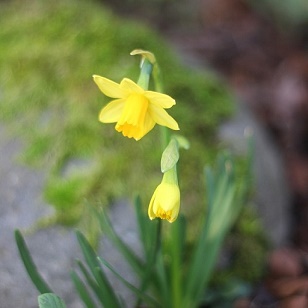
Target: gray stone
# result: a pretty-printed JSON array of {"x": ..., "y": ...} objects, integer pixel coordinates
[
  {"x": 272, "y": 195},
  {"x": 54, "y": 249}
]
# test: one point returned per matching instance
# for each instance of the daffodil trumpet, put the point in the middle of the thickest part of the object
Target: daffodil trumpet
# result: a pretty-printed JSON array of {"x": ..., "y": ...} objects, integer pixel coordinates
[{"x": 135, "y": 110}]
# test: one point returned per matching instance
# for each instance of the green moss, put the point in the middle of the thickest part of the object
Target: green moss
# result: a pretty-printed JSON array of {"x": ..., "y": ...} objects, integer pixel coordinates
[
  {"x": 246, "y": 248},
  {"x": 250, "y": 246},
  {"x": 290, "y": 15},
  {"x": 49, "y": 51}
]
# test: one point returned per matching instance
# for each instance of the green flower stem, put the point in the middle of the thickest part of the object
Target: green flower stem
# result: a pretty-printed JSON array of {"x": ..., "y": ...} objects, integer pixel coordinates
[
  {"x": 144, "y": 78},
  {"x": 151, "y": 262},
  {"x": 157, "y": 79},
  {"x": 165, "y": 136},
  {"x": 143, "y": 81},
  {"x": 145, "y": 73},
  {"x": 176, "y": 277},
  {"x": 171, "y": 176},
  {"x": 165, "y": 132}
]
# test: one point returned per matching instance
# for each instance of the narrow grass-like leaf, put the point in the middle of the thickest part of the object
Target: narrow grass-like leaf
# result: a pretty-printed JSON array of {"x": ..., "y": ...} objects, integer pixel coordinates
[
  {"x": 151, "y": 301},
  {"x": 82, "y": 290},
  {"x": 33, "y": 273},
  {"x": 147, "y": 230},
  {"x": 212, "y": 244},
  {"x": 50, "y": 300},
  {"x": 134, "y": 261},
  {"x": 198, "y": 257},
  {"x": 210, "y": 186},
  {"x": 161, "y": 282},
  {"x": 91, "y": 282},
  {"x": 153, "y": 249},
  {"x": 177, "y": 248},
  {"x": 221, "y": 202},
  {"x": 143, "y": 225},
  {"x": 109, "y": 297}
]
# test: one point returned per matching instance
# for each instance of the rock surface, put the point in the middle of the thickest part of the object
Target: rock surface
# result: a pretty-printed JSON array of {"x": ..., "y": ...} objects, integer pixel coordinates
[
  {"x": 272, "y": 194},
  {"x": 53, "y": 249}
]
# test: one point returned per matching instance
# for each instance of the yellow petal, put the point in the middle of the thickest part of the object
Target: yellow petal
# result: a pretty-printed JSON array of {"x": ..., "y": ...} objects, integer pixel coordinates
[
  {"x": 174, "y": 216},
  {"x": 109, "y": 87},
  {"x": 150, "y": 209},
  {"x": 148, "y": 125},
  {"x": 159, "y": 99},
  {"x": 129, "y": 86},
  {"x": 112, "y": 112},
  {"x": 161, "y": 117},
  {"x": 169, "y": 197}
]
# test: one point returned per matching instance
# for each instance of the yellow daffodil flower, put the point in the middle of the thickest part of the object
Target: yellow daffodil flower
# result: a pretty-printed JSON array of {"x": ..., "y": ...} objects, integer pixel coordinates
[
  {"x": 134, "y": 110},
  {"x": 165, "y": 202}
]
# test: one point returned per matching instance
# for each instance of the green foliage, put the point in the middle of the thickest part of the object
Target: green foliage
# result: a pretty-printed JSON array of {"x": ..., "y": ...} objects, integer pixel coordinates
[
  {"x": 49, "y": 51},
  {"x": 250, "y": 247},
  {"x": 170, "y": 277},
  {"x": 106, "y": 294},
  {"x": 50, "y": 300},
  {"x": 226, "y": 293},
  {"x": 25, "y": 255},
  {"x": 177, "y": 280},
  {"x": 291, "y": 13}
]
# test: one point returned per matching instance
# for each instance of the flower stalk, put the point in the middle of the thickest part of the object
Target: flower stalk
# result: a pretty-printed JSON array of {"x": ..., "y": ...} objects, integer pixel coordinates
[{"x": 145, "y": 74}]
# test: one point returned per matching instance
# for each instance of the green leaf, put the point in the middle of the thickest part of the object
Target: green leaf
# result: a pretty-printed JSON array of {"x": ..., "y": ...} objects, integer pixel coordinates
[
  {"x": 161, "y": 282},
  {"x": 82, "y": 290},
  {"x": 91, "y": 282},
  {"x": 147, "y": 229},
  {"x": 143, "y": 225},
  {"x": 33, "y": 273},
  {"x": 223, "y": 208},
  {"x": 149, "y": 233},
  {"x": 178, "y": 234},
  {"x": 135, "y": 262},
  {"x": 170, "y": 156},
  {"x": 140, "y": 294},
  {"x": 50, "y": 300},
  {"x": 108, "y": 295}
]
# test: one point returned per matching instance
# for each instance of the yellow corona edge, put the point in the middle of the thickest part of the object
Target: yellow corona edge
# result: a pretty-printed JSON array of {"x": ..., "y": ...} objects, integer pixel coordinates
[{"x": 134, "y": 110}]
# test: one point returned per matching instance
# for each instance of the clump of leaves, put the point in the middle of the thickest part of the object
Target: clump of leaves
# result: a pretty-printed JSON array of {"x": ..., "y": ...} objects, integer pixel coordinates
[{"x": 166, "y": 277}]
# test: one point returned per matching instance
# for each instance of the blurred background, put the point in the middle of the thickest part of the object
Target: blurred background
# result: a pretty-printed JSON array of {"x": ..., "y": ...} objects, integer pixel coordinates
[{"x": 230, "y": 64}]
